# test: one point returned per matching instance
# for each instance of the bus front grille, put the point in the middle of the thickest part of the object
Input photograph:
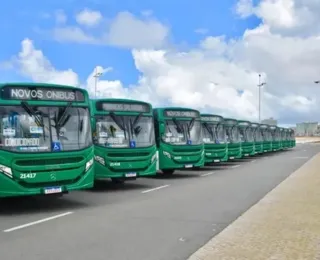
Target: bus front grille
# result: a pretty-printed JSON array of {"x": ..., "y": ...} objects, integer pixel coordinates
[{"x": 53, "y": 161}]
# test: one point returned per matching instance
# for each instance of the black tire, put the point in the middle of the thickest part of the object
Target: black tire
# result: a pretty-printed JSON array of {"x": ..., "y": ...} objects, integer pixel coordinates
[{"x": 168, "y": 172}]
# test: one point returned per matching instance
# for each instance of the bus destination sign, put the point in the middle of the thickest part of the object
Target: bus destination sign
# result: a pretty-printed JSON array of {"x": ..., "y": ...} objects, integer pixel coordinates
[
  {"x": 181, "y": 113},
  {"x": 230, "y": 122},
  {"x": 211, "y": 118},
  {"x": 124, "y": 107},
  {"x": 42, "y": 94},
  {"x": 243, "y": 124}
]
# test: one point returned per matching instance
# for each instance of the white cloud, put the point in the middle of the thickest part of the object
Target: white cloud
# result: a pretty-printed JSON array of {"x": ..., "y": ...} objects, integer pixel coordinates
[
  {"x": 89, "y": 17},
  {"x": 73, "y": 34},
  {"x": 61, "y": 17},
  {"x": 201, "y": 31},
  {"x": 128, "y": 31},
  {"x": 244, "y": 8},
  {"x": 125, "y": 31},
  {"x": 219, "y": 75},
  {"x": 33, "y": 64}
]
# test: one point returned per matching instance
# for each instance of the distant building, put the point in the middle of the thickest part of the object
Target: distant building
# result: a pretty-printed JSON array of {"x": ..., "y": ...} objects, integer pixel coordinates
[
  {"x": 307, "y": 129},
  {"x": 270, "y": 121}
]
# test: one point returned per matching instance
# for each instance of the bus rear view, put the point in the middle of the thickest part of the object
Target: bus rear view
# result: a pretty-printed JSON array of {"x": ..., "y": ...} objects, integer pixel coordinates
[
  {"x": 124, "y": 139},
  {"x": 214, "y": 138},
  {"x": 46, "y": 143},
  {"x": 178, "y": 136}
]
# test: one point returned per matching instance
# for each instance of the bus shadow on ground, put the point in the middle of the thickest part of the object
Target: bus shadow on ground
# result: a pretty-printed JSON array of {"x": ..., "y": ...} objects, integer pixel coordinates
[
  {"x": 45, "y": 204},
  {"x": 178, "y": 174},
  {"x": 108, "y": 186}
]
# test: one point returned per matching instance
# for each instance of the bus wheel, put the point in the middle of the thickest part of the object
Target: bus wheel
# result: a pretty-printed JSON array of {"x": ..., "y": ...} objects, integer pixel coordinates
[
  {"x": 167, "y": 172},
  {"x": 117, "y": 180}
]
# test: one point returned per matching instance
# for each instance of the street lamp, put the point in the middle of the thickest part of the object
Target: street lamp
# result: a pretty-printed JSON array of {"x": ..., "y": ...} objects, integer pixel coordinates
[
  {"x": 260, "y": 85},
  {"x": 96, "y": 76}
]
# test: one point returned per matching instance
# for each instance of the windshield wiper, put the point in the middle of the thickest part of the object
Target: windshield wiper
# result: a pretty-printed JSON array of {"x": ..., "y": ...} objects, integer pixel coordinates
[
  {"x": 216, "y": 132},
  {"x": 135, "y": 130},
  {"x": 205, "y": 124},
  {"x": 190, "y": 126},
  {"x": 231, "y": 134},
  {"x": 32, "y": 113},
  {"x": 179, "y": 129},
  {"x": 59, "y": 124},
  {"x": 120, "y": 124}
]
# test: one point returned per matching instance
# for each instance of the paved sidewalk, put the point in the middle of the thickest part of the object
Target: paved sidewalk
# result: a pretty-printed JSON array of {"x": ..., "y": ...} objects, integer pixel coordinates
[{"x": 284, "y": 225}]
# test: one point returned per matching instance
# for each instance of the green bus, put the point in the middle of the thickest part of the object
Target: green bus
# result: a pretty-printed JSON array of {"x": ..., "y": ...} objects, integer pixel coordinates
[
  {"x": 267, "y": 138},
  {"x": 247, "y": 138},
  {"x": 178, "y": 138},
  {"x": 46, "y": 139},
  {"x": 257, "y": 137},
  {"x": 276, "y": 137},
  {"x": 214, "y": 138},
  {"x": 233, "y": 138},
  {"x": 283, "y": 137},
  {"x": 124, "y": 139},
  {"x": 292, "y": 142}
]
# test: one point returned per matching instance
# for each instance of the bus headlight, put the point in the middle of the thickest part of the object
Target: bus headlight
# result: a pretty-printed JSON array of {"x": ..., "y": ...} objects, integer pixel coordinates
[
  {"x": 167, "y": 154},
  {"x": 6, "y": 170},
  {"x": 89, "y": 164}
]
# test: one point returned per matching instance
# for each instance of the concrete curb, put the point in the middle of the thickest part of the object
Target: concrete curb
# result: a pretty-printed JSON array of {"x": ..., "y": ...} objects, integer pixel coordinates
[{"x": 284, "y": 225}]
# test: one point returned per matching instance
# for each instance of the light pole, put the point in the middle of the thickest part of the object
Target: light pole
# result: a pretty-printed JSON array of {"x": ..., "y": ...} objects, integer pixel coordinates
[
  {"x": 260, "y": 85},
  {"x": 96, "y": 76}
]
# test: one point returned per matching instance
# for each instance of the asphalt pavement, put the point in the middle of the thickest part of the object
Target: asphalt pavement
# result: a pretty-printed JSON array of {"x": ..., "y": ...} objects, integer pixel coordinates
[{"x": 161, "y": 218}]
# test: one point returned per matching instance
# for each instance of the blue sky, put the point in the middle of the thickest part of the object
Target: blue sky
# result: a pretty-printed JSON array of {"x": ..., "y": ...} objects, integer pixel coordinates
[{"x": 32, "y": 18}]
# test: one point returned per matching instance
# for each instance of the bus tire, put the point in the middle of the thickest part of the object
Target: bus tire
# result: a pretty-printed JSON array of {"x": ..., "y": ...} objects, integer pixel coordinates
[
  {"x": 117, "y": 180},
  {"x": 168, "y": 172}
]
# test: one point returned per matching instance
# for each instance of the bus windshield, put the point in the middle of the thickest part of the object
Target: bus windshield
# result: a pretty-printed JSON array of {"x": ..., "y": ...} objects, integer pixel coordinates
[
  {"x": 44, "y": 129},
  {"x": 181, "y": 132},
  {"x": 233, "y": 134},
  {"x": 246, "y": 134},
  {"x": 116, "y": 131},
  {"x": 266, "y": 134},
  {"x": 257, "y": 134},
  {"x": 275, "y": 135},
  {"x": 213, "y": 133}
]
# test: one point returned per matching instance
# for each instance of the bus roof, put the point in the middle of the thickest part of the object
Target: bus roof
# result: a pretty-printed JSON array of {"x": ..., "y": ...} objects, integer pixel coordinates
[
  {"x": 229, "y": 119},
  {"x": 244, "y": 121},
  {"x": 211, "y": 115},
  {"x": 177, "y": 108},
  {"x": 118, "y": 100}
]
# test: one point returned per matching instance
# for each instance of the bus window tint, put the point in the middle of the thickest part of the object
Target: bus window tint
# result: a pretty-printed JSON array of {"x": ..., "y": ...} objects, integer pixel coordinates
[
  {"x": 233, "y": 134},
  {"x": 117, "y": 131},
  {"x": 71, "y": 127},
  {"x": 178, "y": 132},
  {"x": 23, "y": 132}
]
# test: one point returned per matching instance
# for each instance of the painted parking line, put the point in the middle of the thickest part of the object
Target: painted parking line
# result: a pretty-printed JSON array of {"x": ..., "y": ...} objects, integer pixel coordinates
[
  {"x": 37, "y": 222},
  {"x": 235, "y": 166},
  {"x": 207, "y": 174},
  {"x": 154, "y": 189}
]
